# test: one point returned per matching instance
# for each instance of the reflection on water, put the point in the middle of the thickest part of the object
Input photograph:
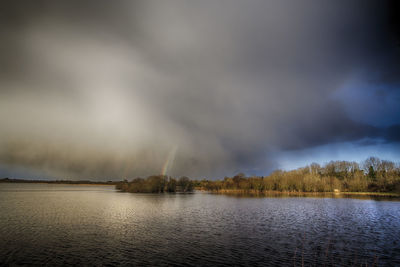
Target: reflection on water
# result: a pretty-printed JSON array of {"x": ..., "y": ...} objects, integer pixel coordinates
[{"x": 70, "y": 224}]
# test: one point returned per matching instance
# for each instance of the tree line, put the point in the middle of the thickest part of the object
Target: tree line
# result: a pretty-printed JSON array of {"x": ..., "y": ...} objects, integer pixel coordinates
[
  {"x": 157, "y": 184},
  {"x": 372, "y": 175}
]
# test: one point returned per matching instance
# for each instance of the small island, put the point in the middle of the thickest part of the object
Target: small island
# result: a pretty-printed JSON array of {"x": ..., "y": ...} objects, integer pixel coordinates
[{"x": 157, "y": 184}]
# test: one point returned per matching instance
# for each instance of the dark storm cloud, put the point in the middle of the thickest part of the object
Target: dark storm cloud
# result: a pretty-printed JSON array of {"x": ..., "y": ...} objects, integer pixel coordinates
[
  {"x": 392, "y": 133},
  {"x": 109, "y": 89}
]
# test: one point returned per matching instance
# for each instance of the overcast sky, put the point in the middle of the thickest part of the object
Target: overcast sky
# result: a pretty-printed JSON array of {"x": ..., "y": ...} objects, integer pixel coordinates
[{"x": 118, "y": 89}]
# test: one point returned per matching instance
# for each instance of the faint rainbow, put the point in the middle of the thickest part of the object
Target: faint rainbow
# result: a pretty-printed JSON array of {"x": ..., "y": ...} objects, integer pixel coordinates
[{"x": 169, "y": 161}]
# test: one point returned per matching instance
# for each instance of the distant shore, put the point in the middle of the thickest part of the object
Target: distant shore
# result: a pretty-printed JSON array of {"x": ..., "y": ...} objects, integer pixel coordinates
[{"x": 71, "y": 182}]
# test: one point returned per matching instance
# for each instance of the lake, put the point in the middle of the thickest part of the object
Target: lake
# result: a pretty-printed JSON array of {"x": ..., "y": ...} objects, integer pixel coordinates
[{"x": 51, "y": 224}]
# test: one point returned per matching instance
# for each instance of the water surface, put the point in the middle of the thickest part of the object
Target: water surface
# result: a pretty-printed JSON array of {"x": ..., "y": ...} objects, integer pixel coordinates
[{"x": 96, "y": 225}]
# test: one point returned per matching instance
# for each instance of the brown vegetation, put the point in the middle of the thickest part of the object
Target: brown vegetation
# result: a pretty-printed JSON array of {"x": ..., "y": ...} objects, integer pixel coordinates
[{"x": 372, "y": 175}]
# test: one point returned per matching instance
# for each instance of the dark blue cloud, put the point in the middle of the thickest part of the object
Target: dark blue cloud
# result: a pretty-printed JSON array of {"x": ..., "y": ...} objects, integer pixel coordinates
[{"x": 100, "y": 89}]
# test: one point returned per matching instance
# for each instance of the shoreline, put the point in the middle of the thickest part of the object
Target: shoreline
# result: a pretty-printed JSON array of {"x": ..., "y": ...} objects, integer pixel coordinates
[{"x": 240, "y": 192}]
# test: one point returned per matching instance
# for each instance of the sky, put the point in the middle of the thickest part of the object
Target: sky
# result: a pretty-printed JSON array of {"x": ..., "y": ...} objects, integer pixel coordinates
[{"x": 106, "y": 90}]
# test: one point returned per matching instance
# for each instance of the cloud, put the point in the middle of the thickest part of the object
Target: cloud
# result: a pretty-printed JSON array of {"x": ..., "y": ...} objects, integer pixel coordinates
[{"x": 93, "y": 89}]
